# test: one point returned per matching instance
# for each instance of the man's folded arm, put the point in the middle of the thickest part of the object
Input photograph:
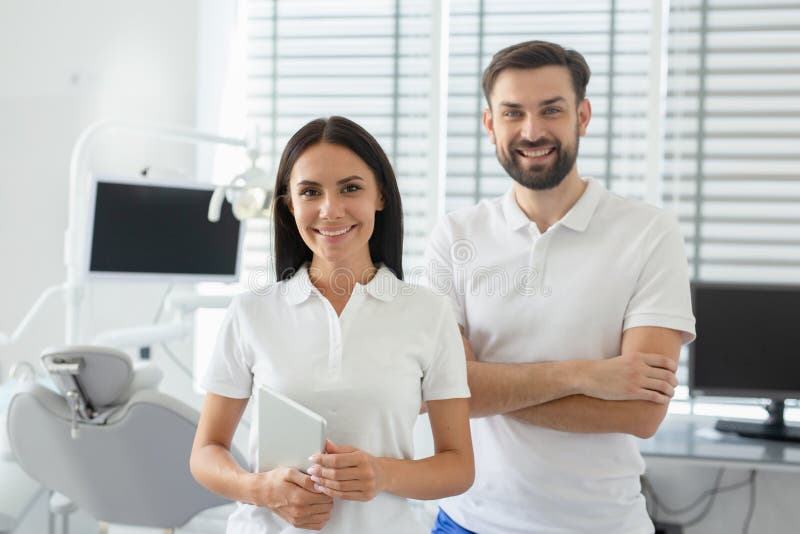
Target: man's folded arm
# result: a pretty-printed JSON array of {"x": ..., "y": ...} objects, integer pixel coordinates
[
  {"x": 628, "y": 393},
  {"x": 580, "y": 413}
]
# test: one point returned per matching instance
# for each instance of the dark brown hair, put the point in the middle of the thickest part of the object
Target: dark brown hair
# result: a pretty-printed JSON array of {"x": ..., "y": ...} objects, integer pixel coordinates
[
  {"x": 535, "y": 54},
  {"x": 386, "y": 242}
]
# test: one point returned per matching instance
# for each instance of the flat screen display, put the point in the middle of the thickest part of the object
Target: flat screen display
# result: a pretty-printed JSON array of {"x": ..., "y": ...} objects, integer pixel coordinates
[
  {"x": 160, "y": 230},
  {"x": 748, "y": 341}
]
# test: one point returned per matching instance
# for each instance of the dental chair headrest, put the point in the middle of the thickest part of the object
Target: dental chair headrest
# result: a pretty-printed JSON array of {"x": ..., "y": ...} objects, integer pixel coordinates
[{"x": 103, "y": 376}]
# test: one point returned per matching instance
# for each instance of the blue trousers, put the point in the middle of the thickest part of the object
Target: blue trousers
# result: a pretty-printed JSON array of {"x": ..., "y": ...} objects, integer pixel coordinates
[{"x": 446, "y": 525}]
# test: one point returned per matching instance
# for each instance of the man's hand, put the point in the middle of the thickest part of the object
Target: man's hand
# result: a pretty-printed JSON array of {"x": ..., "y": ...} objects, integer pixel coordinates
[
  {"x": 347, "y": 473},
  {"x": 631, "y": 376},
  {"x": 291, "y": 495}
]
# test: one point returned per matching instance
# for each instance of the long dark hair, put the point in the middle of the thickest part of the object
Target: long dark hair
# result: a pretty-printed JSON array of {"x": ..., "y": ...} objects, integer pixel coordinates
[{"x": 386, "y": 242}]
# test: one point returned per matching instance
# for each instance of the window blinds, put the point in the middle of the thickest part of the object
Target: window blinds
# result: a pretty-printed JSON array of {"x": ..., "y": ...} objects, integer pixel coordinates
[
  {"x": 732, "y": 123},
  {"x": 367, "y": 60},
  {"x": 611, "y": 34},
  {"x": 730, "y": 150},
  {"x": 733, "y": 127}
]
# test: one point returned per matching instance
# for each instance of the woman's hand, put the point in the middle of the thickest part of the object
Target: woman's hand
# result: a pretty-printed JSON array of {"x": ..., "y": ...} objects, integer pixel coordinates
[
  {"x": 347, "y": 473},
  {"x": 291, "y": 495}
]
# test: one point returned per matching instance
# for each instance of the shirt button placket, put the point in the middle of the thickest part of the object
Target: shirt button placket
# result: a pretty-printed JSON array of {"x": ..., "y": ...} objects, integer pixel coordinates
[
  {"x": 537, "y": 262},
  {"x": 534, "y": 274},
  {"x": 335, "y": 344}
]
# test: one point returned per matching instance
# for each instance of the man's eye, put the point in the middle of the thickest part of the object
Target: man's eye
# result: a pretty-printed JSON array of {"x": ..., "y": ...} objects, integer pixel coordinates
[
  {"x": 551, "y": 111},
  {"x": 512, "y": 114}
]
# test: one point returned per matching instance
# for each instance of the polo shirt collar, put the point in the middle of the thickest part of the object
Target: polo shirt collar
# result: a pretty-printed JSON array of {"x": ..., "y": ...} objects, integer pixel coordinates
[
  {"x": 577, "y": 218},
  {"x": 299, "y": 286},
  {"x": 383, "y": 286},
  {"x": 514, "y": 215}
]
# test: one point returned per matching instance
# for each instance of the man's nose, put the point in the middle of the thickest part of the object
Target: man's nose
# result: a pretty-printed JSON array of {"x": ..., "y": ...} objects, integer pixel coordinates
[{"x": 532, "y": 129}]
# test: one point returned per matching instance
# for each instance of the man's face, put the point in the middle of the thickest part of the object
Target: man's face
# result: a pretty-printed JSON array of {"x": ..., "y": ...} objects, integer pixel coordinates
[{"x": 535, "y": 124}]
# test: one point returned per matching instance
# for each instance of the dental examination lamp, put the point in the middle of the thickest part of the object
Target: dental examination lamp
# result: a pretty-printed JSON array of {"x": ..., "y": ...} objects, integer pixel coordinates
[{"x": 249, "y": 193}]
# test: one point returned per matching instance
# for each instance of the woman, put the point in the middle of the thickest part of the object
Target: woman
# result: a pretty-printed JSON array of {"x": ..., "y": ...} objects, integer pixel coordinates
[{"x": 341, "y": 334}]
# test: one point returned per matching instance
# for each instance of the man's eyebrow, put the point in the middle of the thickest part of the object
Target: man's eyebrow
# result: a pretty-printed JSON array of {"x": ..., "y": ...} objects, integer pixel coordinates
[
  {"x": 548, "y": 102},
  {"x": 340, "y": 182},
  {"x": 551, "y": 101}
]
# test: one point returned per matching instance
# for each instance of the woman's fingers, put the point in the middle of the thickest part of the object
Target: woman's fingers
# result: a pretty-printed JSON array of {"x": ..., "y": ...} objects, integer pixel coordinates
[
  {"x": 346, "y": 473},
  {"x": 338, "y": 460}
]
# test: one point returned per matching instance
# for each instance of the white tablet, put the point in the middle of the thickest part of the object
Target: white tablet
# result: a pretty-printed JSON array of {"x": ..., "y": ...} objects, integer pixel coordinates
[{"x": 288, "y": 432}]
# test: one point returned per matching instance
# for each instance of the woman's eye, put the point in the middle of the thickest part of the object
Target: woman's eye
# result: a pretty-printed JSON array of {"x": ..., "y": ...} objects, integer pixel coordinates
[
  {"x": 309, "y": 193},
  {"x": 350, "y": 188}
]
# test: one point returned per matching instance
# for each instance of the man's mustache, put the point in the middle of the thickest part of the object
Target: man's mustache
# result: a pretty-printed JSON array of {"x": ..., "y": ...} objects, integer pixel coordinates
[{"x": 527, "y": 145}]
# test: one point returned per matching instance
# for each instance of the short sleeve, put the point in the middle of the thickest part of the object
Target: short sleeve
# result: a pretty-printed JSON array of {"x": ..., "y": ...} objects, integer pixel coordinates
[
  {"x": 446, "y": 376},
  {"x": 662, "y": 296},
  {"x": 229, "y": 373},
  {"x": 439, "y": 274}
]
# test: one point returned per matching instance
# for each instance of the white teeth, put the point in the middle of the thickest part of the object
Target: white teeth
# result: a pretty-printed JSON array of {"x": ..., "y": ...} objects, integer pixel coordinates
[
  {"x": 337, "y": 232},
  {"x": 537, "y": 153}
]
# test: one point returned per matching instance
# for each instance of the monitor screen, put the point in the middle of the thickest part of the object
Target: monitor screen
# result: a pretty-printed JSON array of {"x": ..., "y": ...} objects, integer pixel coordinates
[
  {"x": 748, "y": 341},
  {"x": 144, "y": 229}
]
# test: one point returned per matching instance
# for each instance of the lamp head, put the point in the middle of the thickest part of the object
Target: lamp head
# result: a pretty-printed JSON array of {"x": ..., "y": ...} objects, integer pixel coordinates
[{"x": 250, "y": 194}]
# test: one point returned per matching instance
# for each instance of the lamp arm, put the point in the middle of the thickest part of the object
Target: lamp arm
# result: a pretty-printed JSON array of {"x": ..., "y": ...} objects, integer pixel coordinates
[
  {"x": 215, "y": 206},
  {"x": 78, "y": 185},
  {"x": 144, "y": 336},
  {"x": 23, "y": 325}
]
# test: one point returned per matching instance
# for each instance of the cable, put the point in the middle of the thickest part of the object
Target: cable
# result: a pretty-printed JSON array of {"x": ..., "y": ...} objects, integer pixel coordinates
[
  {"x": 174, "y": 357},
  {"x": 188, "y": 372},
  {"x": 711, "y": 495},
  {"x": 751, "y": 510},
  {"x": 649, "y": 499},
  {"x": 163, "y": 302},
  {"x": 691, "y": 506},
  {"x": 709, "y": 504}
]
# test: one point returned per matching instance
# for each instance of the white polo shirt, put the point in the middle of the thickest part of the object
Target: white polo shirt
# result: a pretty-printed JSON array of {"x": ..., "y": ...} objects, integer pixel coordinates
[
  {"x": 367, "y": 372},
  {"x": 523, "y": 296}
]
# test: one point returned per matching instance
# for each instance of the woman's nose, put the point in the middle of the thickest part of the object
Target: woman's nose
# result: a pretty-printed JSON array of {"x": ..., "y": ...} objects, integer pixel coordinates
[{"x": 332, "y": 207}]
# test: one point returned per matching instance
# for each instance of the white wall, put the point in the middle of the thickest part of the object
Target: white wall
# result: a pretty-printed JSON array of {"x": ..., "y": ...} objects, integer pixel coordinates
[{"x": 64, "y": 65}]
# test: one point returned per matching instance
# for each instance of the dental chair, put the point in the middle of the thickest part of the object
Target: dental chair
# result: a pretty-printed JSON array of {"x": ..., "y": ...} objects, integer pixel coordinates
[{"x": 108, "y": 441}]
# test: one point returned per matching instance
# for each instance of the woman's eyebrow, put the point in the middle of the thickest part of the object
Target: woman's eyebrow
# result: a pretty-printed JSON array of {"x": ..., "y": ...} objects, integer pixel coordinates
[{"x": 340, "y": 182}]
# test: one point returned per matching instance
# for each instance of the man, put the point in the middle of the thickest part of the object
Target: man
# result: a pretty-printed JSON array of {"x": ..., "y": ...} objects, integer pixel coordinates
[{"x": 573, "y": 303}]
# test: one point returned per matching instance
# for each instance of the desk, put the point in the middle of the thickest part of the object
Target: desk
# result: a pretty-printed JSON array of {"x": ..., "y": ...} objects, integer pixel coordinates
[{"x": 692, "y": 439}]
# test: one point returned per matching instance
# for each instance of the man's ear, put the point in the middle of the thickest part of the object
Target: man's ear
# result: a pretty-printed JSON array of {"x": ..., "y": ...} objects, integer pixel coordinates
[
  {"x": 584, "y": 115},
  {"x": 488, "y": 124}
]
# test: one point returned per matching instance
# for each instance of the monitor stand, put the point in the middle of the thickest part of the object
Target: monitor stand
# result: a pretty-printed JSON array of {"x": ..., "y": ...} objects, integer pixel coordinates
[{"x": 773, "y": 428}]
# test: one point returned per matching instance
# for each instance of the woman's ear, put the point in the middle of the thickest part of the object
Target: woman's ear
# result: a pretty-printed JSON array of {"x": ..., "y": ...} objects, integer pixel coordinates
[{"x": 379, "y": 206}]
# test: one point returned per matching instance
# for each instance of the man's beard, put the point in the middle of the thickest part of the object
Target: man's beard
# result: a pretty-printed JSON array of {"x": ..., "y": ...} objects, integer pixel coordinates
[{"x": 536, "y": 176}]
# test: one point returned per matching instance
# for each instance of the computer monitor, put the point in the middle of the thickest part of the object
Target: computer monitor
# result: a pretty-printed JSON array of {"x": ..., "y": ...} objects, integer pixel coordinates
[
  {"x": 158, "y": 231},
  {"x": 748, "y": 345}
]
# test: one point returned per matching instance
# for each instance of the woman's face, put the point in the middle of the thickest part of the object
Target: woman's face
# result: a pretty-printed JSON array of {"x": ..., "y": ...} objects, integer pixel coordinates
[{"x": 334, "y": 196}]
